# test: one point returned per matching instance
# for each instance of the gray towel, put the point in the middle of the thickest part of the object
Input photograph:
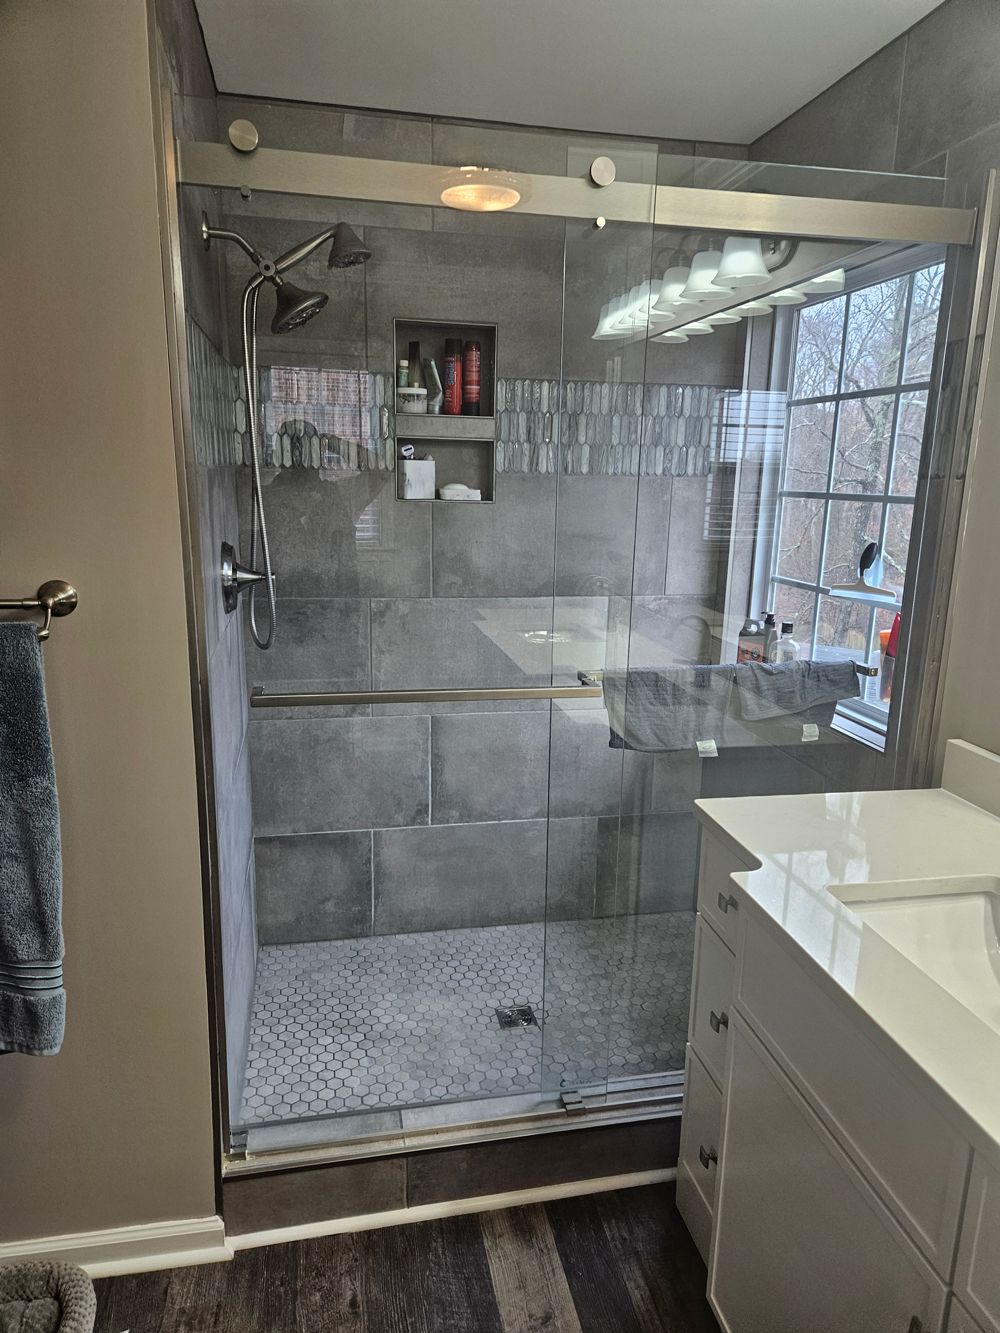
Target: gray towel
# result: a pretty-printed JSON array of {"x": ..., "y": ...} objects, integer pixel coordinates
[
  {"x": 675, "y": 707},
  {"x": 669, "y": 709},
  {"x": 32, "y": 999},
  {"x": 777, "y": 690}
]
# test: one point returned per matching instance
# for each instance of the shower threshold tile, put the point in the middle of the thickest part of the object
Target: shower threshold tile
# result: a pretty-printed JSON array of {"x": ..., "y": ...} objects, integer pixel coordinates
[
  {"x": 316, "y": 1133},
  {"x": 471, "y": 1113},
  {"x": 344, "y": 1028}
]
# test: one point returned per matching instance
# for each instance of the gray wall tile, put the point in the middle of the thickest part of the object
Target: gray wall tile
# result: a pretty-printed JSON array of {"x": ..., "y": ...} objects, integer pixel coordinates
[
  {"x": 239, "y": 966},
  {"x": 459, "y": 641},
  {"x": 595, "y": 537},
  {"x": 346, "y": 773},
  {"x": 227, "y": 695},
  {"x": 667, "y": 631},
  {"x": 647, "y": 863},
  {"x": 217, "y": 522},
  {"x": 757, "y": 771},
  {"x": 320, "y": 643},
  {"x": 676, "y": 781},
  {"x": 587, "y": 777},
  {"x": 317, "y": 886},
  {"x": 294, "y": 1198},
  {"x": 310, "y": 128},
  {"x": 489, "y": 766},
  {"x": 968, "y": 163},
  {"x": 234, "y": 833},
  {"x": 951, "y": 80},
  {"x": 692, "y": 561},
  {"x": 501, "y": 550},
  {"x": 316, "y": 546},
  {"x": 457, "y": 875},
  {"x": 572, "y": 869}
]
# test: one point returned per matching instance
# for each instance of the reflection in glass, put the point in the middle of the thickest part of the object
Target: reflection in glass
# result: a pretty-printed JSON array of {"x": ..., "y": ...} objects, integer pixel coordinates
[
  {"x": 909, "y": 443},
  {"x": 864, "y": 428},
  {"x": 851, "y": 526},
  {"x": 810, "y": 437},
  {"x": 875, "y": 320},
  {"x": 818, "y": 347},
  {"x": 800, "y": 538}
]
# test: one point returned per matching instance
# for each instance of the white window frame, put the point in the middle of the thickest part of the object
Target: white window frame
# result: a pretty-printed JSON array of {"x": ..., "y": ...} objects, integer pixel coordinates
[{"x": 858, "y": 718}]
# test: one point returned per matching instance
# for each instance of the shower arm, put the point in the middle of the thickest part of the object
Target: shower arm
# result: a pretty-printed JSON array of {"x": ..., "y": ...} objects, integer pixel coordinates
[{"x": 295, "y": 256}]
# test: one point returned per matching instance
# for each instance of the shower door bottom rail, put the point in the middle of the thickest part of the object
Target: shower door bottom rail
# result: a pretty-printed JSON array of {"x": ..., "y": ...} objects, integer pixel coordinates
[{"x": 261, "y": 698}]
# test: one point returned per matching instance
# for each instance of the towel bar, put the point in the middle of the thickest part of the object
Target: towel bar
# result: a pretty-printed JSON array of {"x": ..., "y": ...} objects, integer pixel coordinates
[
  {"x": 54, "y": 598},
  {"x": 259, "y": 698},
  {"x": 594, "y": 677}
]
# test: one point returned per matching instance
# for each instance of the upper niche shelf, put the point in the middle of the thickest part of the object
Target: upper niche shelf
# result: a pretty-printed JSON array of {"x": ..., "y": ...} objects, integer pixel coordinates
[{"x": 418, "y": 426}]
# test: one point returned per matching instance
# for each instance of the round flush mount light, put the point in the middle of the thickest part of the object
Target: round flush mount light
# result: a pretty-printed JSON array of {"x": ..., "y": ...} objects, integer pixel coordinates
[{"x": 480, "y": 190}]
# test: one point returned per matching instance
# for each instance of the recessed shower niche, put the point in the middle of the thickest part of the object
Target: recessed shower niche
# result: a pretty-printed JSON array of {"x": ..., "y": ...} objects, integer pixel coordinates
[{"x": 437, "y": 449}]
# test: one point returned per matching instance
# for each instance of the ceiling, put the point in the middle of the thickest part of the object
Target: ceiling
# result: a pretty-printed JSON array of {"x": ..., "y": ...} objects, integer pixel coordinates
[{"x": 722, "y": 70}]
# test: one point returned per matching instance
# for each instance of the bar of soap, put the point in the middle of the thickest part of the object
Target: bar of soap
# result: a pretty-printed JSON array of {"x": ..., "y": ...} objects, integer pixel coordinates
[{"x": 455, "y": 490}]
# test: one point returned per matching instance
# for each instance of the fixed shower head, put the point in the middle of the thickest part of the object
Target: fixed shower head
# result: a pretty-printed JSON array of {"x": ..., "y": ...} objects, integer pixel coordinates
[
  {"x": 294, "y": 307},
  {"x": 347, "y": 249}
]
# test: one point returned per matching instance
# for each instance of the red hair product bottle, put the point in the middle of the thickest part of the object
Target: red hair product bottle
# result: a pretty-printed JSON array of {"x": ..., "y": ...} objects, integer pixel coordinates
[
  {"x": 472, "y": 359},
  {"x": 453, "y": 377}
]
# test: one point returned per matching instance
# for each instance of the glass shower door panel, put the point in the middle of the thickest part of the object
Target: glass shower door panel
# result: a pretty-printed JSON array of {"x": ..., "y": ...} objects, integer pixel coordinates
[{"x": 592, "y": 786}]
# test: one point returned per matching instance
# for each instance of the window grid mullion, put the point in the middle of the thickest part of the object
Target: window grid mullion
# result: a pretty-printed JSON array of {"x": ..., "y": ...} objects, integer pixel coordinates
[{"x": 829, "y": 475}]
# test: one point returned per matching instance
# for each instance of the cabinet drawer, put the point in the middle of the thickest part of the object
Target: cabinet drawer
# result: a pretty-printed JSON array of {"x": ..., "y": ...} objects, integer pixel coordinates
[
  {"x": 960, "y": 1321},
  {"x": 700, "y": 1128},
  {"x": 801, "y": 1244},
  {"x": 903, "y": 1145},
  {"x": 716, "y": 901},
  {"x": 692, "y": 1207},
  {"x": 714, "y": 967},
  {"x": 977, "y": 1274}
]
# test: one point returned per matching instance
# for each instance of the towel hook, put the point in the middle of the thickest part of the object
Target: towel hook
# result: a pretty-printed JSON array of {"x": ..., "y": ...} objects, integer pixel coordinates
[{"x": 56, "y": 597}]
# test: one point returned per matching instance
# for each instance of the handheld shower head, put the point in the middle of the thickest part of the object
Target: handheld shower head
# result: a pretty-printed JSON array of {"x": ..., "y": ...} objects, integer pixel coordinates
[
  {"x": 294, "y": 307},
  {"x": 347, "y": 249}
]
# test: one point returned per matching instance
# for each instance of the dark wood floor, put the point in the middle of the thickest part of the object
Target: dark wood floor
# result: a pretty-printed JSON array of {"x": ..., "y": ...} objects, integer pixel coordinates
[{"x": 605, "y": 1263}]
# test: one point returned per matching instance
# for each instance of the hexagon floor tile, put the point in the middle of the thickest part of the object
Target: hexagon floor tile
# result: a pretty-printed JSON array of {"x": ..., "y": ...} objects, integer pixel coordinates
[{"x": 393, "y": 1021}]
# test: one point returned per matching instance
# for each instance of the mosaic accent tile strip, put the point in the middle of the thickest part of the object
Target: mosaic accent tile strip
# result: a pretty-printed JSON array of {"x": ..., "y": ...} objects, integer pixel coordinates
[
  {"x": 218, "y": 408},
  {"x": 345, "y": 420},
  {"x": 391, "y": 1021}
]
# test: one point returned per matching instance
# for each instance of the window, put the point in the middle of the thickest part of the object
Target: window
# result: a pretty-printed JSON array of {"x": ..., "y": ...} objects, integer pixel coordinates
[{"x": 858, "y": 377}]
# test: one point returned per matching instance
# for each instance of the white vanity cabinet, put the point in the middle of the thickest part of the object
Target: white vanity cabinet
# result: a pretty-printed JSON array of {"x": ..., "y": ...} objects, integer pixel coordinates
[{"x": 823, "y": 1182}]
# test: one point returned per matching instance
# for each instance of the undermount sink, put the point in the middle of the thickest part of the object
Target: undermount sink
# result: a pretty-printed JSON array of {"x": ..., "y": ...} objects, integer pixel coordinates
[{"x": 949, "y": 928}]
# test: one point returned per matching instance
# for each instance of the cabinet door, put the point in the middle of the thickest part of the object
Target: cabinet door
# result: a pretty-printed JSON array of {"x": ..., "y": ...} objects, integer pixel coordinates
[
  {"x": 977, "y": 1273},
  {"x": 801, "y": 1244},
  {"x": 714, "y": 982}
]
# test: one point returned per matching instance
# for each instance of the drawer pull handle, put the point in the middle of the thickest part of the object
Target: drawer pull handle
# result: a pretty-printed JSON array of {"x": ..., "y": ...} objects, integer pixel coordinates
[
  {"x": 707, "y": 1156},
  {"x": 726, "y": 901},
  {"x": 718, "y": 1021}
]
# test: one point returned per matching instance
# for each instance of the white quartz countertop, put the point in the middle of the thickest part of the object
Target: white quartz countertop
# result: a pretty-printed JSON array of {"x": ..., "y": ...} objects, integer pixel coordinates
[{"x": 805, "y": 844}]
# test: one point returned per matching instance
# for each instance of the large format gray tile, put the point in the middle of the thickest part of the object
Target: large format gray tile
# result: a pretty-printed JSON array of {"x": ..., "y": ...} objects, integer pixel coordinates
[
  {"x": 455, "y": 875},
  {"x": 317, "y": 1194},
  {"x": 234, "y": 827},
  {"x": 218, "y": 521},
  {"x": 501, "y": 550},
  {"x": 227, "y": 694},
  {"x": 315, "y": 886},
  {"x": 514, "y": 282},
  {"x": 647, "y": 863},
  {"x": 968, "y": 163},
  {"x": 319, "y": 550},
  {"x": 307, "y": 127},
  {"x": 692, "y": 559},
  {"x": 949, "y": 84},
  {"x": 676, "y": 781},
  {"x": 489, "y": 766},
  {"x": 239, "y": 965},
  {"x": 595, "y": 539},
  {"x": 347, "y": 773},
  {"x": 460, "y": 641},
  {"x": 319, "y": 643},
  {"x": 571, "y": 871},
  {"x": 587, "y": 776},
  {"x": 824, "y": 132},
  {"x": 757, "y": 771}
]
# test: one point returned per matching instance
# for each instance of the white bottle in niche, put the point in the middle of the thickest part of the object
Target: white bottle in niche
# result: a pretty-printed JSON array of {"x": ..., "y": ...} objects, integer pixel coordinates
[{"x": 418, "y": 478}]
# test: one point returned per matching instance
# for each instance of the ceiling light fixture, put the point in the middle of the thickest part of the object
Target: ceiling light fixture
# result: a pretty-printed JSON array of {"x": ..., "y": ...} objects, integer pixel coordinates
[
  {"x": 742, "y": 263},
  {"x": 480, "y": 190},
  {"x": 702, "y": 284}
]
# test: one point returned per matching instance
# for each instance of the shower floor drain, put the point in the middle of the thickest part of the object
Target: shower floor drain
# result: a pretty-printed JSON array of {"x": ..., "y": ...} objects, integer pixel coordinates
[{"x": 519, "y": 1016}]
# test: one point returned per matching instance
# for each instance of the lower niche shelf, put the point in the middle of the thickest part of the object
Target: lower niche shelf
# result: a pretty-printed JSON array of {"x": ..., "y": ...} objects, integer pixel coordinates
[{"x": 468, "y": 462}]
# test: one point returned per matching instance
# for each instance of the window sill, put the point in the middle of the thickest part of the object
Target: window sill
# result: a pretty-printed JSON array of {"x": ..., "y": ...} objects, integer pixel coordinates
[{"x": 865, "y": 727}]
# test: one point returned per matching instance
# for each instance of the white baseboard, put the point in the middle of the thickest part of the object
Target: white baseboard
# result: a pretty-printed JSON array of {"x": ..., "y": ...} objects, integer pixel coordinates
[
  {"x": 136, "y": 1249},
  {"x": 452, "y": 1208}
]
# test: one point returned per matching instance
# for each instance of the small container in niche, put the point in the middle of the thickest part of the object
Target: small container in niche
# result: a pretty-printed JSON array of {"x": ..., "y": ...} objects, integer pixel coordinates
[
  {"x": 412, "y": 401},
  {"x": 417, "y": 478}
]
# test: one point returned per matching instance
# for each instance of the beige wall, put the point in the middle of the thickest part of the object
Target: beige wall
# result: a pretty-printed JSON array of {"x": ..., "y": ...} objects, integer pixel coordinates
[{"x": 117, "y": 1129}]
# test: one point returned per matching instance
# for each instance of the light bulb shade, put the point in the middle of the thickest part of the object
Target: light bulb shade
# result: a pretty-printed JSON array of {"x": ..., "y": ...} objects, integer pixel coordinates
[
  {"x": 701, "y": 284},
  {"x": 826, "y": 282},
  {"x": 695, "y": 327},
  {"x": 480, "y": 190},
  {"x": 752, "y": 308},
  {"x": 723, "y": 317},
  {"x": 671, "y": 287},
  {"x": 787, "y": 296},
  {"x": 742, "y": 263},
  {"x": 671, "y": 336}
]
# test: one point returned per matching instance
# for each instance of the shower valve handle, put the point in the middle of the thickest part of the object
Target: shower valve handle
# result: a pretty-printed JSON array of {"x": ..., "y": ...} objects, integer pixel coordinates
[{"x": 235, "y": 578}]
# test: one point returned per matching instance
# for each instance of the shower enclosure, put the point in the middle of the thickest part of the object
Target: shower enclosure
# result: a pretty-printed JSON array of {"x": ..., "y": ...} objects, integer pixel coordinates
[{"x": 445, "y": 894}]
